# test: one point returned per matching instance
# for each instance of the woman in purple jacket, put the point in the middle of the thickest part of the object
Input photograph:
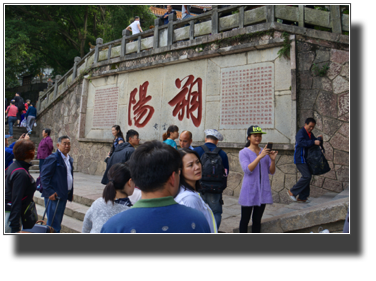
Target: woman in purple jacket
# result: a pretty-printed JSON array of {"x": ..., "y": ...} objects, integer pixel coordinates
[
  {"x": 257, "y": 163},
  {"x": 45, "y": 147}
]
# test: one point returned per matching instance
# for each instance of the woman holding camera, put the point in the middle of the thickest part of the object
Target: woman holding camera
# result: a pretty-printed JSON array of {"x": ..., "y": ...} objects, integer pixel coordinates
[{"x": 257, "y": 163}]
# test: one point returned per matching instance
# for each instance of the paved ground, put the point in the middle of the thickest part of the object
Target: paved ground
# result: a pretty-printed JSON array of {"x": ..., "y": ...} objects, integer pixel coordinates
[{"x": 89, "y": 187}]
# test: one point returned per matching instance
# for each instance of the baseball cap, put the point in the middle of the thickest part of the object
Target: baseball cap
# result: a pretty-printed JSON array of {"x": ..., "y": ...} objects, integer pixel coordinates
[
  {"x": 254, "y": 129},
  {"x": 214, "y": 133}
]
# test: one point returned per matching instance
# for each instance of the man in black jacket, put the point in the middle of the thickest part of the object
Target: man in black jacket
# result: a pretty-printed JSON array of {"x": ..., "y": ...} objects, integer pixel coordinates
[
  {"x": 20, "y": 105},
  {"x": 121, "y": 154}
]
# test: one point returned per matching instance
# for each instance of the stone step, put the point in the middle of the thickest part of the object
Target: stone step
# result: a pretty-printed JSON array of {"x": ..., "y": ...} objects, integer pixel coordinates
[
  {"x": 342, "y": 194},
  {"x": 304, "y": 217}
]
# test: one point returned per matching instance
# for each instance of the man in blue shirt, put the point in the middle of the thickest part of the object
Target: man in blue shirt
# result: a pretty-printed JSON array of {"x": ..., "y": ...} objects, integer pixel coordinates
[
  {"x": 304, "y": 140},
  {"x": 214, "y": 200},
  {"x": 155, "y": 169}
]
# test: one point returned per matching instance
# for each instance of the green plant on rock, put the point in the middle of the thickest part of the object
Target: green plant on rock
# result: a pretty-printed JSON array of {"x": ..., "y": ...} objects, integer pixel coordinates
[
  {"x": 320, "y": 71},
  {"x": 285, "y": 50}
]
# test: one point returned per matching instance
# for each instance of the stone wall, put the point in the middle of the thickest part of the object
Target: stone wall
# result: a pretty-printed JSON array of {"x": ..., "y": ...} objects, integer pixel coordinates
[{"x": 326, "y": 98}]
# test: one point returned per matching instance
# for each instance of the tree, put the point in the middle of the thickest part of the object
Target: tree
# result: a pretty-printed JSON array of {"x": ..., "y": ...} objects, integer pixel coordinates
[{"x": 52, "y": 35}]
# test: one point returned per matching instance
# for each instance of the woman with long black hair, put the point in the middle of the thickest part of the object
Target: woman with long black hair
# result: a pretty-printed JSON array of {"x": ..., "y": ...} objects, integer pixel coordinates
[
  {"x": 170, "y": 136},
  {"x": 118, "y": 138},
  {"x": 188, "y": 194},
  {"x": 113, "y": 201}
]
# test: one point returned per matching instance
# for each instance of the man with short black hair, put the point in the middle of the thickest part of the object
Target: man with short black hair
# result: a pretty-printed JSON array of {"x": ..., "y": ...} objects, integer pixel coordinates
[
  {"x": 135, "y": 26},
  {"x": 19, "y": 102},
  {"x": 165, "y": 16},
  {"x": 155, "y": 169},
  {"x": 57, "y": 181},
  {"x": 122, "y": 152},
  {"x": 132, "y": 137},
  {"x": 304, "y": 140},
  {"x": 30, "y": 116},
  {"x": 214, "y": 200}
]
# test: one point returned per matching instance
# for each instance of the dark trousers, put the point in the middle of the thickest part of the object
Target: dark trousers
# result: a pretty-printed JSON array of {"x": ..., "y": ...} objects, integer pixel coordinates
[
  {"x": 246, "y": 213},
  {"x": 41, "y": 161},
  {"x": 301, "y": 188}
]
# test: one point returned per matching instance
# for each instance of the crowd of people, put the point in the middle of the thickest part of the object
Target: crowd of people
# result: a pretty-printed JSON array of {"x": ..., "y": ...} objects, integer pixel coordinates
[
  {"x": 154, "y": 187},
  {"x": 18, "y": 111}
]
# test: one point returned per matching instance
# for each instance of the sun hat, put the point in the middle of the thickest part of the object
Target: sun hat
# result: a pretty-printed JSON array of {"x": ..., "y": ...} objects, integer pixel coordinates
[
  {"x": 254, "y": 129},
  {"x": 214, "y": 133}
]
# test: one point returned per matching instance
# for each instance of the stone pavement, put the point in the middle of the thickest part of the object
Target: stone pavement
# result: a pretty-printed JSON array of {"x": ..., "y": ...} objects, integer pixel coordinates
[{"x": 276, "y": 218}]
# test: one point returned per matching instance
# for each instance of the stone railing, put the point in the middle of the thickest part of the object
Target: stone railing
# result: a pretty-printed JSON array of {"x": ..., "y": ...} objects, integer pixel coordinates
[{"x": 162, "y": 37}]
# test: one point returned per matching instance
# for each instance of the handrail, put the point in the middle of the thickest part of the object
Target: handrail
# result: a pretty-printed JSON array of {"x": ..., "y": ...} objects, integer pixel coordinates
[{"x": 333, "y": 19}]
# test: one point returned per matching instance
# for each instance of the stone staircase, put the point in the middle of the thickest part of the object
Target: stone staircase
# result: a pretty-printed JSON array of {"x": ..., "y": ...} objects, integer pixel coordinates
[{"x": 17, "y": 132}]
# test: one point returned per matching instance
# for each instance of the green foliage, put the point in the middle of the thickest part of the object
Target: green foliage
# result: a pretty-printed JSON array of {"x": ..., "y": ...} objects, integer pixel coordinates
[
  {"x": 37, "y": 36},
  {"x": 320, "y": 71},
  {"x": 285, "y": 50}
]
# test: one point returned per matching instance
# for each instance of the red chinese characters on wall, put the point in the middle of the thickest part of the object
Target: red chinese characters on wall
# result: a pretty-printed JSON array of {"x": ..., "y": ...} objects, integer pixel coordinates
[
  {"x": 188, "y": 103},
  {"x": 142, "y": 113}
]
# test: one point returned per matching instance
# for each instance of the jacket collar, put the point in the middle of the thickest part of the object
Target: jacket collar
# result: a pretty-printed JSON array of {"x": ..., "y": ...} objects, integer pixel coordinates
[{"x": 24, "y": 164}]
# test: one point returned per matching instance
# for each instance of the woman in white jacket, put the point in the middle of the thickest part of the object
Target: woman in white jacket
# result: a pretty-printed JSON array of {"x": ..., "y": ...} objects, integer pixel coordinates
[
  {"x": 189, "y": 185},
  {"x": 113, "y": 201}
]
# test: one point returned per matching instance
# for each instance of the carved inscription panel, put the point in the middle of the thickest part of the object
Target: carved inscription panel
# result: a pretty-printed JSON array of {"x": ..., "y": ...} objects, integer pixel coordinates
[
  {"x": 105, "y": 107},
  {"x": 247, "y": 96}
]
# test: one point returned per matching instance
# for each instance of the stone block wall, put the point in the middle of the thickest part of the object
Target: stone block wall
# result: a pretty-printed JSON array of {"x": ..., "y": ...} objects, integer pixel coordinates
[
  {"x": 326, "y": 98},
  {"x": 63, "y": 119}
]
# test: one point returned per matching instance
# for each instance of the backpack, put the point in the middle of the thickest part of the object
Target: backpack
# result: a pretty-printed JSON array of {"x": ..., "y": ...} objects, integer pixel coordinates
[
  {"x": 316, "y": 160},
  {"x": 213, "y": 178}
]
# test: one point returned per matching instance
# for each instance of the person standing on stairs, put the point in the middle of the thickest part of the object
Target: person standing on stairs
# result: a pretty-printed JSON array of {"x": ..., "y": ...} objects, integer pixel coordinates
[
  {"x": 45, "y": 147},
  {"x": 57, "y": 181}
]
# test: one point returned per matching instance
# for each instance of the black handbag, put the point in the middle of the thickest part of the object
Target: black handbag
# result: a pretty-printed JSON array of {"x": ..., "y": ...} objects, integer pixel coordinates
[
  {"x": 29, "y": 216},
  {"x": 316, "y": 160},
  {"x": 40, "y": 228}
]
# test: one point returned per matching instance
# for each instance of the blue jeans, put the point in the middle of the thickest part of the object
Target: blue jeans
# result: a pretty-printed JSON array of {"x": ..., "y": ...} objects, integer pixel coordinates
[
  {"x": 11, "y": 121},
  {"x": 215, "y": 203},
  {"x": 56, "y": 224}
]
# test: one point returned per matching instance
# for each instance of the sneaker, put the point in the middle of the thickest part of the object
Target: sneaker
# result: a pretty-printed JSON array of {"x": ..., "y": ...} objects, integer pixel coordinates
[{"x": 293, "y": 198}]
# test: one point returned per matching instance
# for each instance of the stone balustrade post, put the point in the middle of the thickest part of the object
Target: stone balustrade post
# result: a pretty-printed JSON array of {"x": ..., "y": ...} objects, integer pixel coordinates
[
  {"x": 270, "y": 15},
  {"x": 122, "y": 51},
  {"x": 301, "y": 15},
  {"x": 335, "y": 15},
  {"x": 156, "y": 33},
  {"x": 192, "y": 29},
  {"x": 98, "y": 42},
  {"x": 241, "y": 17},
  {"x": 214, "y": 19},
  {"x": 139, "y": 44},
  {"x": 57, "y": 79},
  {"x": 39, "y": 102},
  {"x": 170, "y": 29},
  {"x": 76, "y": 61},
  {"x": 109, "y": 52}
]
